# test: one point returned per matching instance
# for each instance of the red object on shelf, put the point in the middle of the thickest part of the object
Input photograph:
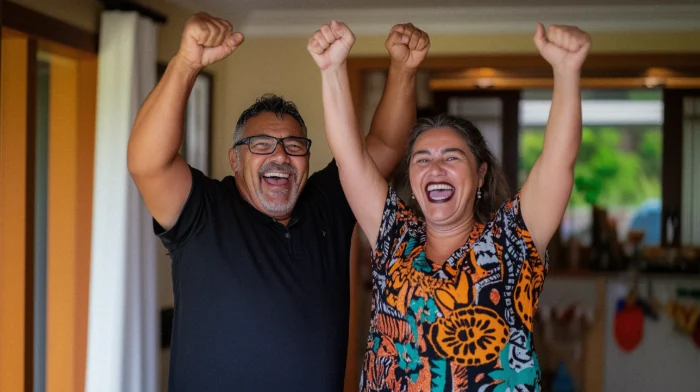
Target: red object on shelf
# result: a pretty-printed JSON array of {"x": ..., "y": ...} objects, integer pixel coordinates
[
  {"x": 696, "y": 333},
  {"x": 629, "y": 327}
]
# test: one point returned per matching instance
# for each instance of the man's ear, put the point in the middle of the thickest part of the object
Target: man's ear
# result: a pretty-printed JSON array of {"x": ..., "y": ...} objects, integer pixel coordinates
[{"x": 233, "y": 159}]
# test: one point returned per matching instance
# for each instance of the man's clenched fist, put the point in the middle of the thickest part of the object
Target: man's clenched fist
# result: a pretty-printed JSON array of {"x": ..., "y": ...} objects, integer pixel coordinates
[
  {"x": 407, "y": 45},
  {"x": 206, "y": 40}
]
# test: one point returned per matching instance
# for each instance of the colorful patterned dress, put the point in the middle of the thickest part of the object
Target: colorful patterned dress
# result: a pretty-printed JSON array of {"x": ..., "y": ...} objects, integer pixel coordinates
[{"x": 462, "y": 326}]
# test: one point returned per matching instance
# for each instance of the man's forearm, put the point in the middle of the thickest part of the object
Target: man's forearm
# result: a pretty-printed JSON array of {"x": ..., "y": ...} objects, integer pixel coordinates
[
  {"x": 158, "y": 129},
  {"x": 396, "y": 112}
]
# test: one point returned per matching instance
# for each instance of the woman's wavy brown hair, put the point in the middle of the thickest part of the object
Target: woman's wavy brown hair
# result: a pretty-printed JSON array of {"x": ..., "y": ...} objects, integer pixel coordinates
[{"x": 495, "y": 190}]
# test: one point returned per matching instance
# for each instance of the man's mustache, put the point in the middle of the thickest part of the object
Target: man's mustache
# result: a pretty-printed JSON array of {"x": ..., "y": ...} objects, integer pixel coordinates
[{"x": 284, "y": 167}]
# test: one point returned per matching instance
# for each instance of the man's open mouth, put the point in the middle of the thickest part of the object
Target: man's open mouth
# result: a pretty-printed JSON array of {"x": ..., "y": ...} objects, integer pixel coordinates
[{"x": 276, "y": 178}]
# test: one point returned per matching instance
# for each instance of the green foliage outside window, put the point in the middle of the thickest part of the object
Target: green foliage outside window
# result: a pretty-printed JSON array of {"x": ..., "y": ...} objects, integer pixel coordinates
[{"x": 615, "y": 166}]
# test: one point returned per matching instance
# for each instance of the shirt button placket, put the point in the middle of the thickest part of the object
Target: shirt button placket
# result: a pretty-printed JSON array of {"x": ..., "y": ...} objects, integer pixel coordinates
[{"x": 288, "y": 236}]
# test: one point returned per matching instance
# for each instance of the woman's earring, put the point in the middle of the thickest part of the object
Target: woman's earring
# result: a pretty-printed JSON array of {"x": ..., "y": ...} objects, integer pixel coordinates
[
  {"x": 413, "y": 196},
  {"x": 478, "y": 193}
]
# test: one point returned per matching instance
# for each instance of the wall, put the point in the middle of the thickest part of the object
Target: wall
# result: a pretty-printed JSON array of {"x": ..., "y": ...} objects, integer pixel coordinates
[
  {"x": 283, "y": 66},
  {"x": 665, "y": 359}
]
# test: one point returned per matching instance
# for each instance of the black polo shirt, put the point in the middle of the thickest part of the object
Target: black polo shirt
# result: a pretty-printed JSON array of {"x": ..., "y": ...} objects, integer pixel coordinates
[{"x": 260, "y": 306}]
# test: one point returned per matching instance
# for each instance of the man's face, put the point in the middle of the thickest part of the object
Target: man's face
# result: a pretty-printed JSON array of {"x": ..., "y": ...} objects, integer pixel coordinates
[{"x": 270, "y": 183}]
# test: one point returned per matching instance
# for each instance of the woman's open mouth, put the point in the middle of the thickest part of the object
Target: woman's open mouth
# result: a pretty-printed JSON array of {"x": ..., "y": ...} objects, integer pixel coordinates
[{"x": 439, "y": 192}]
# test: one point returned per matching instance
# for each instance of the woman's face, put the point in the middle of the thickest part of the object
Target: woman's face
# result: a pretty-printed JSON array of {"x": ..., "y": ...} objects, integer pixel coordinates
[{"x": 445, "y": 176}]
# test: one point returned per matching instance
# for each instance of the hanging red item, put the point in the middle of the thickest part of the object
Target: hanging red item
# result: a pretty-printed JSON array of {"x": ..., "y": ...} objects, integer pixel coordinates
[
  {"x": 629, "y": 327},
  {"x": 696, "y": 334}
]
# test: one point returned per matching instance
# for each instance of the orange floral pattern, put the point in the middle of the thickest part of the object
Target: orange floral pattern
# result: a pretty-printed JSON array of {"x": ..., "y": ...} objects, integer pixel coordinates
[{"x": 463, "y": 324}]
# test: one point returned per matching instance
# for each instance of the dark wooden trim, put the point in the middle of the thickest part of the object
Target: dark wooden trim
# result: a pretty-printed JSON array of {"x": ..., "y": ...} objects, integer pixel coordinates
[
  {"x": 29, "y": 216},
  {"x": 596, "y": 61},
  {"x": 160, "y": 69},
  {"x": 672, "y": 162},
  {"x": 511, "y": 133},
  {"x": 126, "y": 5},
  {"x": 210, "y": 131},
  {"x": 356, "y": 77},
  {"x": 44, "y": 27},
  {"x": 2, "y": 3}
]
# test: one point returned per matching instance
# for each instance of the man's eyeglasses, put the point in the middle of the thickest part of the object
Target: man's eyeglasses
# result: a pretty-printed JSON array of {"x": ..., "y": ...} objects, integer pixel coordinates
[{"x": 265, "y": 145}]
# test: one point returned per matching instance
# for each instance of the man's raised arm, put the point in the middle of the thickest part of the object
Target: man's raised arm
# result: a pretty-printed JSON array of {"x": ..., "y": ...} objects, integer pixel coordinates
[
  {"x": 396, "y": 112},
  {"x": 159, "y": 172}
]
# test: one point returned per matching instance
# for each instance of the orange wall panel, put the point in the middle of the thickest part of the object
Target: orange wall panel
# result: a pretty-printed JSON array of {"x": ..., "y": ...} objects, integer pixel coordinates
[
  {"x": 71, "y": 147},
  {"x": 13, "y": 207},
  {"x": 61, "y": 307}
]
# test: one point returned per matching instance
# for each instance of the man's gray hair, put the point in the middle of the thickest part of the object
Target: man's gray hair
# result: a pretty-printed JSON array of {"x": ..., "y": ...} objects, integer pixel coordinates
[{"x": 268, "y": 103}]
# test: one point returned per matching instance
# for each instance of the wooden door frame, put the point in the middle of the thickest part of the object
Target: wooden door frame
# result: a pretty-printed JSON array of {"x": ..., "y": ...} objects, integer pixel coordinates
[
  {"x": 18, "y": 191},
  {"x": 47, "y": 28},
  {"x": 57, "y": 37}
]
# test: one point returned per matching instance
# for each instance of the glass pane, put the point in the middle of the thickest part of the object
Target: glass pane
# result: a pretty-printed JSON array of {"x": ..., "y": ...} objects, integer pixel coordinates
[{"x": 618, "y": 168}]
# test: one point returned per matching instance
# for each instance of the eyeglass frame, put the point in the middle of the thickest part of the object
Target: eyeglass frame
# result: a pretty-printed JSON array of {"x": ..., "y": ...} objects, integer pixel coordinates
[{"x": 246, "y": 141}]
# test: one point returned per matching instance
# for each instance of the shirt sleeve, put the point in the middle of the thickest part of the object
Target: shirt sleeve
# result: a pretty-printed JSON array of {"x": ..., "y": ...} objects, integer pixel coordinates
[{"x": 193, "y": 214}]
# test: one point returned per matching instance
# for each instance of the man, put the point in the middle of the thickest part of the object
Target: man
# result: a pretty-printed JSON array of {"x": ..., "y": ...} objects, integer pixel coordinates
[{"x": 261, "y": 259}]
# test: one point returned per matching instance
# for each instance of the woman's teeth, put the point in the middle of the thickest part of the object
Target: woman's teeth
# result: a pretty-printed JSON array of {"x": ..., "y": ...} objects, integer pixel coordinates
[
  {"x": 439, "y": 186},
  {"x": 439, "y": 192}
]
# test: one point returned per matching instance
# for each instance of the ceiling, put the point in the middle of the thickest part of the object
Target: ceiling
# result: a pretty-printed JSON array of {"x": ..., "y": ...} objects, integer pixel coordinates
[
  {"x": 237, "y": 6},
  {"x": 281, "y": 18}
]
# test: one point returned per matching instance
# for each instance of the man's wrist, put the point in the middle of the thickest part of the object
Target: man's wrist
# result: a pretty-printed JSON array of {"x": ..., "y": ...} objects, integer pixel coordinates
[
  {"x": 184, "y": 67},
  {"x": 402, "y": 70}
]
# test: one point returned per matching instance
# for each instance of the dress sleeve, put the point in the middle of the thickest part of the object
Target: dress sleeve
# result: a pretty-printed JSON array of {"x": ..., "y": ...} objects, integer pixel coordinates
[{"x": 393, "y": 226}]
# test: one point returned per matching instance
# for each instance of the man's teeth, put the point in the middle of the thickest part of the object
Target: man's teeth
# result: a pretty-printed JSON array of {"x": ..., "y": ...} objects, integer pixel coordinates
[
  {"x": 436, "y": 187},
  {"x": 278, "y": 175}
]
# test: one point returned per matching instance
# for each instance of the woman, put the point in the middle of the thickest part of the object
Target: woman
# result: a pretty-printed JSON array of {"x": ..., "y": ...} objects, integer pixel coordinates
[{"x": 455, "y": 292}]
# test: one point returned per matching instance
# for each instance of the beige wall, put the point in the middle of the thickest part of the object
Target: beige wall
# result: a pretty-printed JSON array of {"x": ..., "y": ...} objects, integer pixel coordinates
[{"x": 283, "y": 66}]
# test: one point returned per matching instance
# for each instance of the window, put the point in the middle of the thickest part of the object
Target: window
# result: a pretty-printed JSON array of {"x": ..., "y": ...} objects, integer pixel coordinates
[
  {"x": 619, "y": 164},
  {"x": 690, "y": 219}
]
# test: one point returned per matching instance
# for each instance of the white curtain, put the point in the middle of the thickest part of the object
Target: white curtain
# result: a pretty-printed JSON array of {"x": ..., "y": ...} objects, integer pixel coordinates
[{"x": 123, "y": 323}]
